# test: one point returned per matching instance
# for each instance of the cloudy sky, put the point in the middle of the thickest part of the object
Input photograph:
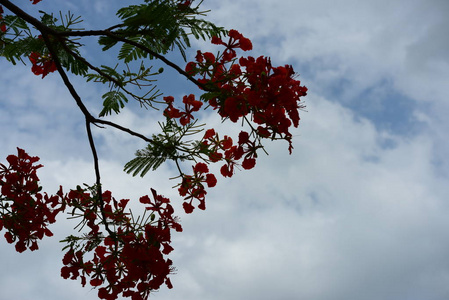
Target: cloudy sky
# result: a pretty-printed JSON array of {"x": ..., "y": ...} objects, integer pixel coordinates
[{"x": 358, "y": 211}]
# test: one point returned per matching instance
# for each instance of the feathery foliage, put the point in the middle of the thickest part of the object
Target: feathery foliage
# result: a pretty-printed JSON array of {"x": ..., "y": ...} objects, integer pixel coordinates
[
  {"x": 159, "y": 26},
  {"x": 167, "y": 145}
]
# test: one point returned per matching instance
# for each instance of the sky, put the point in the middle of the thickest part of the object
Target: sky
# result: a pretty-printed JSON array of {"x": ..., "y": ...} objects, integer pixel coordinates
[{"x": 358, "y": 211}]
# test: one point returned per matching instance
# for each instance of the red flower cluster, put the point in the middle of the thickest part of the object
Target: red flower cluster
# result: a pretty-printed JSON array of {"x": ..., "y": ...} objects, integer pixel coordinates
[
  {"x": 190, "y": 105},
  {"x": 42, "y": 64},
  {"x": 131, "y": 262},
  {"x": 128, "y": 261},
  {"x": 25, "y": 211},
  {"x": 236, "y": 40},
  {"x": 245, "y": 88},
  {"x": 216, "y": 149},
  {"x": 192, "y": 186},
  {"x": 250, "y": 87},
  {"x": 163, "y": 208},
  {"x": 225, "y": 150},
  {"x": 83, "y": 201},
  {"x": 266, "y": 97}
]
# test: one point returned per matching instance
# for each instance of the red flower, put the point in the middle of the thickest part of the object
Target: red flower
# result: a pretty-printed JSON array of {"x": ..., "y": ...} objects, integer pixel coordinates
[
  {"x": 9, "y": 237},
  {"x": 211, "y": 180},
  {"x": 188, "y": 207},
  {"x": 42, "y": 65},
  {"x": 172, "y": 112},
  {"x": 192, "y": 186},
  {"x": 248, "y": 163},
  {"x": 227, "y": 170},
  {"x": 215, "y": 156},
  {"x": 201, "y": 168},
  {"x": 191, "y": 68},
  {"x": 199, "y": 56},
  {"x": 234, "y": 108},
  {"x": 169, "y": 99},
  {"x": 237, "y": 40},
  {"x": 226, "y": 143},
  {"x": 245, "y": 44},
  {"x": 209, "y": 134},
  {"x": 191, "y": 105},
  {"x": 263, "y": 132},
  {"x": 243, "y": 137},
  {"x": 217, "y": 41},
  {"x": 210, "y": 58},
  {"x": 96, "y": 282}
]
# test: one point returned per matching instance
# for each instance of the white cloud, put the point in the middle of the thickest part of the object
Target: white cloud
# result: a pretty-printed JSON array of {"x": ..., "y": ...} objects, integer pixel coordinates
[{"x": 323, "y": 223}]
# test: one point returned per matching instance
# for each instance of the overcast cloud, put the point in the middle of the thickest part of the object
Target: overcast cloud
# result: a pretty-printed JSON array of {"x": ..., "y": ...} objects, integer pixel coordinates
[{"x": 358, "y": 211}]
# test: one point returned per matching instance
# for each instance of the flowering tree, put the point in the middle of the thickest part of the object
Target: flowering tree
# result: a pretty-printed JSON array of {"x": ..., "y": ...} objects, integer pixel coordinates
[{"x": 117, "y": 252}]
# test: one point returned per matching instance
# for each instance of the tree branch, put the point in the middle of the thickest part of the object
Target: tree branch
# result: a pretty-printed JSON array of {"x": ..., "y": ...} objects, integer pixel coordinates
[
  {"x": 117, "y": 37},
  {"x": 124, "y": 129},
  {"x": 141, "y": 99},
  {"x": 43, "y": 28},
  {"x": 97, "y": 177},
  {"x": 89, "y": 119},
  {"x": 28, "y": 18}
]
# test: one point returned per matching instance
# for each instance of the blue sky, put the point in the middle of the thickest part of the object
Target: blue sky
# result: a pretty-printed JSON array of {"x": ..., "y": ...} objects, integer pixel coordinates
[{"x": 358, "y": 211}]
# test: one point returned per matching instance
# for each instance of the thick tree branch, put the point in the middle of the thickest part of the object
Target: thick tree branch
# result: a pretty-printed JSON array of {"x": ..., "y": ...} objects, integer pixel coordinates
[
  {"x": 117, "y": 37},
  {"x": 89, "y": 119},
  {"x": 158, "y": 56},
  {"x": 28, "y": 18},
  {"x": 50, "y": 31},
  {"x": 65, "y": 78},
  {"x": 141, "y": 99},
  {"x": 79, "y": 101}
]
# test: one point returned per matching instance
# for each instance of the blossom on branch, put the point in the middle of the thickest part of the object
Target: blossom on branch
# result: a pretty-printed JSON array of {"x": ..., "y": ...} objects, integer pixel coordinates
[
  {"x": 119, "y": 254},
  {"x": 42, "y": 64},
  {"x": 25, "y": 212},
  {"x": 130, "y": 262}
]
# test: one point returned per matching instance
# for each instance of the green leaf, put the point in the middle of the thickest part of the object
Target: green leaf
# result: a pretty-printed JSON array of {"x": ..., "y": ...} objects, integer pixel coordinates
[
  {"x": 130, "y": 52},
  {"x": 107, "y": 42},
  {"x": 48, "y": 19},
  {"x": 143, "y": 164},
  {"x": 168, "y": 145},
  {"x": 72, "y": 64},
  {"x": 113, "y": 101},
  {"x": 111, "y": 72},
  {"x": 15, "y": 22},
  {"x": 15, "y": 50},
  {"x": 151, "y": 157},
  {"x": 159, "y": 26}
]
